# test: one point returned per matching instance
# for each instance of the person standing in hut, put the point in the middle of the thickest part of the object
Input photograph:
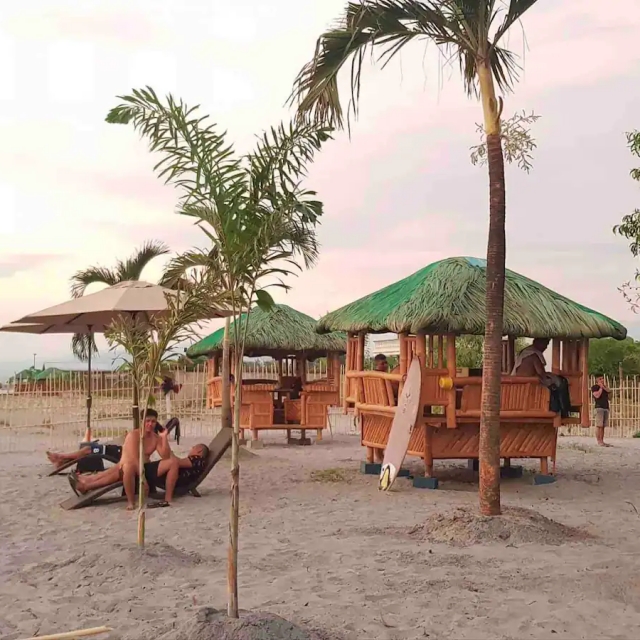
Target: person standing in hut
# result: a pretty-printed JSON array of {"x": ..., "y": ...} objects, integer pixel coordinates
[
  {"x": 380, "y": 363},
  {"x": 530, "y": 362},
  {"x": 600, "y": 392}
]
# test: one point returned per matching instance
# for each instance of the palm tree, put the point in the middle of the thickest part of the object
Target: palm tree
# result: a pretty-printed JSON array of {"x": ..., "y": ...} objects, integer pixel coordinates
[
  {"x": 469, "y": 31},
  {"x": 259, "y": 221},
  {"x": 125, "y": 270}
]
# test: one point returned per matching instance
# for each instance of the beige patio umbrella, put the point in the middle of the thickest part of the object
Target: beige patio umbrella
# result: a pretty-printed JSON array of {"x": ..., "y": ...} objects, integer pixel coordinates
[{"x": 93, "y": 313}]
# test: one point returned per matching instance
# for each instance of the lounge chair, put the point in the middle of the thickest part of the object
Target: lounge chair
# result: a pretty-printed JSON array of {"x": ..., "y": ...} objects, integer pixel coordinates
[
  {"x": 94, "y": 461},
  {"x": 217, "y": 448}
]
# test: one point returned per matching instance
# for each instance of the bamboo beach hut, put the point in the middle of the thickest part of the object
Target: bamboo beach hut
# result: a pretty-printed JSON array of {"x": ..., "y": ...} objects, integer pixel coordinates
[
  {"x": 290, "y": 401},
  {"x": 428, "y": 311}
]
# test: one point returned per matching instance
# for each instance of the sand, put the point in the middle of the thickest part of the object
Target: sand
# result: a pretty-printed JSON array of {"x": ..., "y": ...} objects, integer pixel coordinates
[{"x": 322, "y": 548}]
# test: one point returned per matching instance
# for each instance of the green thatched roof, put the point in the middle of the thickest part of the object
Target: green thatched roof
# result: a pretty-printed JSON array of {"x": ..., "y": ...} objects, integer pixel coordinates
[
  {"x": 279, "y": 331},
  {"x": 449, "y": 297},
  {"x": 51, "y": 373}
]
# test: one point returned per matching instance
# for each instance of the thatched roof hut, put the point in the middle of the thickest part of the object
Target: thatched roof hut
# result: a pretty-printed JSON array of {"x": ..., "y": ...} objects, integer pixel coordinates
[
  {"x": 449, "y": 297},
  {"x": 279, "y": 332}
]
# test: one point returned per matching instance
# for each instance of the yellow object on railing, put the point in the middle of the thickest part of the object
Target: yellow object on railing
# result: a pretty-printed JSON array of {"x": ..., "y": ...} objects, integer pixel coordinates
[{"x": 446, "y": 383}]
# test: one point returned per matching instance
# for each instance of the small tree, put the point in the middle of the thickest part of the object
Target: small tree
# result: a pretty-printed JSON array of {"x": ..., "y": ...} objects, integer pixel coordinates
[
  {"x": 150, "y": 342},
  {"x": 257, "y": 218}
]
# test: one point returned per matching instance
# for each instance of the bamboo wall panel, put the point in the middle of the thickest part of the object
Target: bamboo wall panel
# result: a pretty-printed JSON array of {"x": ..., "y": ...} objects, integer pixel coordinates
[
  {"x": 516, "y": 441},
  {"x": 375, "y": 430}
]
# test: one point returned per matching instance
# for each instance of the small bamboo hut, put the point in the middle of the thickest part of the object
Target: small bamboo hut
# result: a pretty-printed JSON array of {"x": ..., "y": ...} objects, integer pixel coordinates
[
  {"x": 429, "y": 310},
  {"x": 290, "y": 401}
]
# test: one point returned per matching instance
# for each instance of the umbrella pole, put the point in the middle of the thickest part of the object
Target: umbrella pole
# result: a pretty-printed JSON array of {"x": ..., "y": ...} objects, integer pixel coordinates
[{"x": 87, "y": 435}]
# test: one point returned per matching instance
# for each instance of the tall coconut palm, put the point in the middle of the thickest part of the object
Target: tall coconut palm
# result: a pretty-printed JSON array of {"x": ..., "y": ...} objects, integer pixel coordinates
[
  {"x": 124, "y": 270},
  {"x": 469, "y": 31}
]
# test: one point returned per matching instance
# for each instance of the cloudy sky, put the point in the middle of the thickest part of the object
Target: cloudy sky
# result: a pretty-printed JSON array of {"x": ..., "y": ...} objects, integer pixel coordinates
[{"x": 399, "y": 194}]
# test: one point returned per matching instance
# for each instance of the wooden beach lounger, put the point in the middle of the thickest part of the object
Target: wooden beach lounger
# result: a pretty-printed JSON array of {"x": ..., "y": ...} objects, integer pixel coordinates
[{"x": 217, "y": 448}]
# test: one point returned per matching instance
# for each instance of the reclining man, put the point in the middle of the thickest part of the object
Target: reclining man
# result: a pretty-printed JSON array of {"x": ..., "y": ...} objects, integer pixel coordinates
[{"x": 111, "y": 451}]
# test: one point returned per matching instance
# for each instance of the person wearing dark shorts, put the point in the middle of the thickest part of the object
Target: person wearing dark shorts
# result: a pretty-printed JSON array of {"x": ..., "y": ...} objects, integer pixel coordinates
[
  {"x": 600, "y": 393},
  {"x": 191, "y": 467},
  {"x": 111, "y": 452}
]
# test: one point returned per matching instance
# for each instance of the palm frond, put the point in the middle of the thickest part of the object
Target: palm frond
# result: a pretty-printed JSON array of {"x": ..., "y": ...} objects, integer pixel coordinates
[
  {"x": 176, "y": 273},
  {"x": 81, "y": 344},
  {"x": 461, "y": 28},
  {"x": 195, "y": 155},
  {"x": 365, "y": 25},
  {"x": 132, "y": 267},
  {"x": 92, "y": 275},
  {"x": 515, "y": 11}
]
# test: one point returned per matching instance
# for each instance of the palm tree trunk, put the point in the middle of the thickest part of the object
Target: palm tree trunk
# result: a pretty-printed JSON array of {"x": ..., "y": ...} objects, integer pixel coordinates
[
  {"x": 225, "y": 409},
  {"x": 234, "y": 515},
  {"x": 489, "y": 491}
]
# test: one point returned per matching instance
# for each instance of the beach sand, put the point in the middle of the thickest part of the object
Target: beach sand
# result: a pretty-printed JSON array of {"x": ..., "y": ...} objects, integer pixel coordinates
[{"x": 321, "y": 546}]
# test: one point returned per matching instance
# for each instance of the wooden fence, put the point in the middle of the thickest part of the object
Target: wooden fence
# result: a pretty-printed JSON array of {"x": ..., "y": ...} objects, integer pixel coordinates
[{"x": 53, "y": 413}]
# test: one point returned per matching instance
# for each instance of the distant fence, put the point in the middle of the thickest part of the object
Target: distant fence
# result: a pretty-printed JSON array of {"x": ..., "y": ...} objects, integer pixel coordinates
[{"x": 53, "y": 413}]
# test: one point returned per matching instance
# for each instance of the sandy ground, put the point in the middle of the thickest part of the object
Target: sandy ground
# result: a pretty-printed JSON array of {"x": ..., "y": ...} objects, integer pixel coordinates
[{"x": 330, "y": 550}]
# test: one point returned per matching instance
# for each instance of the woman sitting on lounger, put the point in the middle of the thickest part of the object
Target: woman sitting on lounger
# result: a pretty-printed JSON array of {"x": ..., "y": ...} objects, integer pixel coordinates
[{"x": 189, "y": 469}]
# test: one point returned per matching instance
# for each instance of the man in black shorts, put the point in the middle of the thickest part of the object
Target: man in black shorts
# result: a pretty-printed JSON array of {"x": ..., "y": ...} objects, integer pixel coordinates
[{"x": 112, "y": 452}]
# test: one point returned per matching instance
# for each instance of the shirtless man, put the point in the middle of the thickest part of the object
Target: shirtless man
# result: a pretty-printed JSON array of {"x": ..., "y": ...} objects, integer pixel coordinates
[
  {"x": 189, "y": 469},
  {"x": 152, "y": 442},
  {"x": 127, "y": 468},
  {"x": 530, "y": 362}
]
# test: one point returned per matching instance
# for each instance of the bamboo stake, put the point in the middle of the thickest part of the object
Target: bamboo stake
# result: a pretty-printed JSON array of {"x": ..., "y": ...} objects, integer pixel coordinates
[{"x": 70, "y": 635}]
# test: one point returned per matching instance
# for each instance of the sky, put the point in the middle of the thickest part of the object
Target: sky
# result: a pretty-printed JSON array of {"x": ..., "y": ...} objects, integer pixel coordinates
[{"x": 399, "y": 193}]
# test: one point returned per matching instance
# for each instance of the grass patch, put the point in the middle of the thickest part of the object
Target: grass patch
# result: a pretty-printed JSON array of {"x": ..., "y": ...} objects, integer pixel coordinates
[{"x": 331, "y": 475}]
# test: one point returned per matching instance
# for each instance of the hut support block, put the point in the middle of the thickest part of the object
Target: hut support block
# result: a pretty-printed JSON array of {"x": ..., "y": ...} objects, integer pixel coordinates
[
  {"x": 511, "y": 472},
  {"x": 420, "y": 482},
  {"x": 370, "y": 468},
  {"x": 404, "y": 473},
  {"x": 473, "y": 464},
  {"x": 543, "y": 479},
  {"x": 299, "y": 441}
]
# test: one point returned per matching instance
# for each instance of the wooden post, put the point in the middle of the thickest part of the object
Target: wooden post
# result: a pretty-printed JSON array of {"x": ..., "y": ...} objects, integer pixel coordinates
[
  {"x": 404, "y": 360},
  {"x": 511, "y": 354},
  {"x": 421, "y": 349},
  {"x": 585, "y": 420},
  {"x": 347, "y": 368},
  {"x": 279, "y": 370},
  {"x": 555, "y": 356},
  {"x": 215, "y": 361},
  {"x": 451, "y": 368},
  {"x": 428, "y": 451},
  {"x": 360, "y": 352},
  {"x": 430, "y": 365},
  {"x": 402, "y": 337},
  {"x": 441, "y": 353},
  {"x": 301, "y": 363}
]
